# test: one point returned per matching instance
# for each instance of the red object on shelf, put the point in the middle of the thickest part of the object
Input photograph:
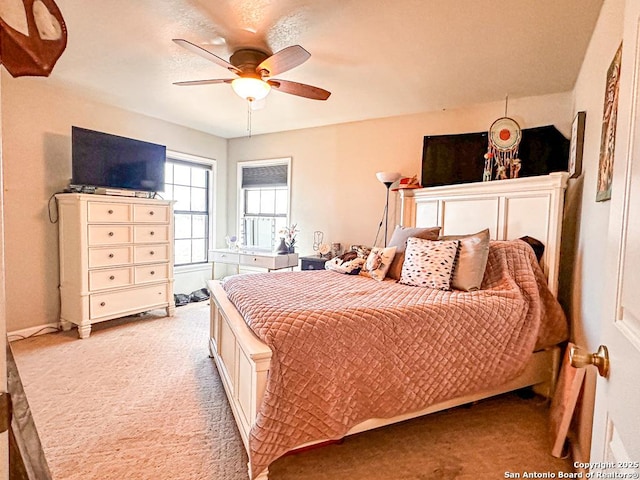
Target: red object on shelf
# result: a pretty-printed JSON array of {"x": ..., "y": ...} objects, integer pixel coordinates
[{"x": 406, "y": 182}]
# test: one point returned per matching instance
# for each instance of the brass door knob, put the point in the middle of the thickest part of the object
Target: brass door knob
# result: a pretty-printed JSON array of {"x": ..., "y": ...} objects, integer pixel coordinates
[{"x": 580, "y": 358}]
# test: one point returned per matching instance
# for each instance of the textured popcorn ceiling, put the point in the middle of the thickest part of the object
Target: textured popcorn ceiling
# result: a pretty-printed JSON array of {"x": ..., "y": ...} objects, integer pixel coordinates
[{"x": 378, "y": 58}]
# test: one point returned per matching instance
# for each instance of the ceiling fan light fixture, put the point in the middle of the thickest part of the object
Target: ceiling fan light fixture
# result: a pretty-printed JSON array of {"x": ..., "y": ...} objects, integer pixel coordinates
[{"x": 251, "y": 88}]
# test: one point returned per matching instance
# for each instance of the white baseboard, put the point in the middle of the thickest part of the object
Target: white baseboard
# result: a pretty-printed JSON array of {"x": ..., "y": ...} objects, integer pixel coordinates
[{"x": 33, "y": 331}]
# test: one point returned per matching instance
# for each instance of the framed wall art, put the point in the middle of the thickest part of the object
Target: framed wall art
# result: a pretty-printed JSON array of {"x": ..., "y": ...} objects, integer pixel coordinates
[
  {"x": 609, "y": 121},
  {"x": 577, "y": 145}
]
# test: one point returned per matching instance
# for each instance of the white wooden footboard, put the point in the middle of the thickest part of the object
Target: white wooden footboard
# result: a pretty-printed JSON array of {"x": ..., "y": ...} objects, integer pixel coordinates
[
  {"x": 242, "y": 359},
  {"x": 243, "y": 362}
]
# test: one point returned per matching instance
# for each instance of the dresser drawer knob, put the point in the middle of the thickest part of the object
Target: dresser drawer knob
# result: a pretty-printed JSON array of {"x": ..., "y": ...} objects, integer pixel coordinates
[
  {"x": 152, "y": 272},
  {"x": 151, "y": 212},
  {"x": 112, "y": 277},
  {"x": 102, "y": 304},
  {"x": 152, "y": 252},
  {"x": 111, "y": 255},
  {"x": 110, "y": 212},
  {"x": 111, "y": 234},
  {"x": 152, "y": 233}
]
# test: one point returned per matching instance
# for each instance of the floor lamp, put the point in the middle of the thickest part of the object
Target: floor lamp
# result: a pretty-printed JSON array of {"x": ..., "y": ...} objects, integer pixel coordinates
[{"x": 387, "y": 178}]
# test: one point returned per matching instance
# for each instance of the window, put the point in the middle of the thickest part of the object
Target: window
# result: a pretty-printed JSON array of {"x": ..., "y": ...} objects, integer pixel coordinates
[
  {"x": 188, "y": 184},
  {"x": 264, "y": 201}
]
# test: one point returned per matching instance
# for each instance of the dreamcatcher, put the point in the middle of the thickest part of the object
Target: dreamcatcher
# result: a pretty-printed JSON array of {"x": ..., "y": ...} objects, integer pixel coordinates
[{"x": 502, "y": 154}]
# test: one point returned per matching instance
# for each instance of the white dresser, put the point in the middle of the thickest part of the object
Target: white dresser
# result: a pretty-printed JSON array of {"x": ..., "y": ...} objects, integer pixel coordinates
[{"x": 116, "y": 258}]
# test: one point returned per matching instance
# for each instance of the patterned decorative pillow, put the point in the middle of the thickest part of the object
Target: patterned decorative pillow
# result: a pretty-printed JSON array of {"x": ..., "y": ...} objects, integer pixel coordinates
[
  {"x": 429, "y": 263},
  {"x": 399, "y": 239},
  {"x": 378, "y": 263}
]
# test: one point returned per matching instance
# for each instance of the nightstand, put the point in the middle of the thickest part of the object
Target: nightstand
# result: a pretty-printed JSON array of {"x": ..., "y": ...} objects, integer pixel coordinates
[{"x": 312, "y": 263}]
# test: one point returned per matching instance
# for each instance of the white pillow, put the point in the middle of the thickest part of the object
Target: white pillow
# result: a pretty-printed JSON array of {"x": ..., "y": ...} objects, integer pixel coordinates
[
  {"x": 429, "y": 263},
  {"x": 378, "y": 262}
]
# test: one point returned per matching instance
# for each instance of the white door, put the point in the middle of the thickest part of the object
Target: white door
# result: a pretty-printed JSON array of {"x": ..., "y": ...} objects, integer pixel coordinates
[{"x": 616, "y": 433}]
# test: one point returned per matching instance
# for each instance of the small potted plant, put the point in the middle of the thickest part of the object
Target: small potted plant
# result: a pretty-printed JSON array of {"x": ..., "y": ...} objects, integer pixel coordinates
[{"x": 289, "y": 235}]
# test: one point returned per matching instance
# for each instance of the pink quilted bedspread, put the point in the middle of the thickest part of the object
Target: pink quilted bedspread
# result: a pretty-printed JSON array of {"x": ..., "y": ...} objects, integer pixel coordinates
[{"x": 348, "y": 348}]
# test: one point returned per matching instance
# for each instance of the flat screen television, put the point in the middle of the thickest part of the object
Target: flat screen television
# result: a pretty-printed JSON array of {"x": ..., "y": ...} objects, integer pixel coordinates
[
  {"x": 459, "y": 158},
  {"x": 103, "y": 160}
]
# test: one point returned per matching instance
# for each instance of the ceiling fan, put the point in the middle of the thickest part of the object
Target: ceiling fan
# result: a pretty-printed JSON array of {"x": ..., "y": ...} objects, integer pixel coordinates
[{"x": 255, "y": 69}]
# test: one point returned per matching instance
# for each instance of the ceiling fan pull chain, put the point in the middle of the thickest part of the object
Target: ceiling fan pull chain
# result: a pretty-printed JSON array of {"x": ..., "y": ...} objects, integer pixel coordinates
[{"x": 249, "y": 116}]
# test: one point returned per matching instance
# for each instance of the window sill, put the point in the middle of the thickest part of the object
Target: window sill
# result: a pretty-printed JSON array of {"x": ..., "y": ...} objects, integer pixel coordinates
[{"x": 199, "y": 267}]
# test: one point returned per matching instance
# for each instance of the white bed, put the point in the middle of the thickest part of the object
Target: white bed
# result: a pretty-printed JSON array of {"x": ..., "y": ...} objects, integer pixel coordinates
[{"x": 509, "y": 208}]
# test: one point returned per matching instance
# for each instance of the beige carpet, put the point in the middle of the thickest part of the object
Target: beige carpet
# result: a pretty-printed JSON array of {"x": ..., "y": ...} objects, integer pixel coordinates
[{"x": 140, "y": 399}]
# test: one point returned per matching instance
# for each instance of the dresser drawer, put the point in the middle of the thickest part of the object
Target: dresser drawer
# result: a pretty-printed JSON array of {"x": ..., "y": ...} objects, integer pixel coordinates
[
  {"x": 151, "y": 253},
  {"x": 102, "y": 212},
  {"x": 151, "y": 213},
  {"x": 273, "y": 262},
  {"x": 123, "y": 301},
  {"x": 257, "y": 261},
  {"x": 151, "y": 233},
  {"x": 152, "y": 273},
  {"x": 110, "y": 234},
  {"x": 113, "y": 277},
  {"x": 110, "y": 256},
  {"x": 225, "y": 257}
]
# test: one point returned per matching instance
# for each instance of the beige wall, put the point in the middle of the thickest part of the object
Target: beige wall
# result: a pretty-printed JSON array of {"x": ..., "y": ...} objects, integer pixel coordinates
[
  {"x": 334, "y": 188},
  {"x": 592, "y": 217},
  {"x": 36, "y": 122}
]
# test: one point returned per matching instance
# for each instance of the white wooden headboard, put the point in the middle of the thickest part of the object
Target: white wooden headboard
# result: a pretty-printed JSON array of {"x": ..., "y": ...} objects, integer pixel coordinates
[{"x": 509, "y": 208}]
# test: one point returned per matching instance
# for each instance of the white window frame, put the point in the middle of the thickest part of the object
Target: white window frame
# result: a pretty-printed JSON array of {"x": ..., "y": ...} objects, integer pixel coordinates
[
  {"x": 261, "y": 163},
  {"x": 212, "y": 163}
]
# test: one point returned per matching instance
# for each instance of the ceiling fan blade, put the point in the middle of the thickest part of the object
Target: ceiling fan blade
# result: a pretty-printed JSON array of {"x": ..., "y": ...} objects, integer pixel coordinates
[
  {"x": 284, "y": 60},
  {"x": 198, "y": 50},
  {"x": 299, "y": 89},
  {"x": 203, "y": 82}
]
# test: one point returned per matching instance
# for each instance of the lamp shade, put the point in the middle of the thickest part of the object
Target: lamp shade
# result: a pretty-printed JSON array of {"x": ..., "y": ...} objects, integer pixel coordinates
[
  {"x": 388, "y": 177},
  {"x": 251, "y": 88}
]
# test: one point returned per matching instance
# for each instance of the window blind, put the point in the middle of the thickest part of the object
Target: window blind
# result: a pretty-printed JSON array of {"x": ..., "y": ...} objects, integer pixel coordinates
[{"x": 265, "y": 176}]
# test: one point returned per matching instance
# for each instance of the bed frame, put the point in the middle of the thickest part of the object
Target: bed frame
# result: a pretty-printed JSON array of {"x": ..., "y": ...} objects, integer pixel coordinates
[{"x": 509, "y": 208}]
